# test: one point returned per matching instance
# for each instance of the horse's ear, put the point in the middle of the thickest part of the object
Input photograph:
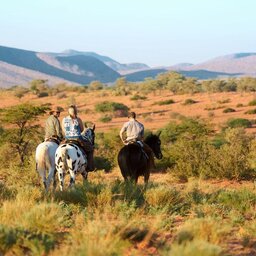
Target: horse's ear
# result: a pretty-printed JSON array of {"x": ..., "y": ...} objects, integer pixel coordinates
[
  {"x": 158, "y": 134},
  {"x": 93, "y": 127},
  {"x": 85, "y": 125}
]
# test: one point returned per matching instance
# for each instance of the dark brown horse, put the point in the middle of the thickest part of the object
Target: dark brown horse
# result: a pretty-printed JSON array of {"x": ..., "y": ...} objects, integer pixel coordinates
[{"x": 134, "y": 162}]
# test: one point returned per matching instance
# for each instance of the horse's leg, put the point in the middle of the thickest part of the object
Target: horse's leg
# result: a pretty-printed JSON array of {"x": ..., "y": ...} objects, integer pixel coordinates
[
  {"x": 146, "y": 177},
  {"x": 50, "y": 176},
  {"x": 72, "y": 178},
  {"x": 54, "y": 180},
  {"x": 85, "y": 175},
  {"x": 61, "y": 178},
  {"x": 45, "y": 181}
]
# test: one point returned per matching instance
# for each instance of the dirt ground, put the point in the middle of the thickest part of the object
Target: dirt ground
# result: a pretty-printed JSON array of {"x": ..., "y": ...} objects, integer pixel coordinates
[{"x": 208, "y": 107}]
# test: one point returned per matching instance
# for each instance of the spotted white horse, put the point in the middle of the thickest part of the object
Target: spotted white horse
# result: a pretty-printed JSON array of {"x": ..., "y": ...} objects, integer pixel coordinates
[
  {"x": 45, "y": 162},
  {"x": 70, "y": 158}
]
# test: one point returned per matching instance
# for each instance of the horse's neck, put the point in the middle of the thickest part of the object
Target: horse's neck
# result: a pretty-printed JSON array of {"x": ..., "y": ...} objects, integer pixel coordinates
[{"x": 88, "y": 135}]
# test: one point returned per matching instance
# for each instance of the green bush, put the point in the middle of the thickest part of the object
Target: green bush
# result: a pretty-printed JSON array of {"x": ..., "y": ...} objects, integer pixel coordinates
[
  {"x": 250, "y": 112},
  {"x": 42, "y": 94},
  {"x": 229, "y": 110},
  {"x": 239, "y": 122},
  {"x": 138, "y": 97},
  {"x": 118, "y": 108},
  {"x": 165, "y": 102},
  {"x": 105, "y": 119},
  {"x": 223, "y": 101},
  {"x": 102, "y": 163},
  {"x": 189, "y": 102},
  {"x": 18, "y": 241}
]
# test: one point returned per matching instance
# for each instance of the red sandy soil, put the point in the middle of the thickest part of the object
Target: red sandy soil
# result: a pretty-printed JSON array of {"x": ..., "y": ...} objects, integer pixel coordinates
[{"x": 153, "y": 116}]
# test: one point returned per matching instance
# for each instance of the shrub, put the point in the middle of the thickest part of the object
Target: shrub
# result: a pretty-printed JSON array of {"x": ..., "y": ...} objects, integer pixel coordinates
[
  {"x": 252, "y": 103},
  {"x": 105, "y": 119},
  {"x": 229, "y": 110},
  {"x": 233, "y": 158},
  {"x": 239, "y": 122},
  {"x": 197, "y": 150},
  {"x": 102, "y": 163},
  {"x": 223, "y": 101},
  {"x": 107, "y": 106},
  {"x": 250, "y": 112},
  {"x": 138, "y": 97},
  {"x": 165, "y": 102},
  {"x": 18, "y": 241},
  {"x": 42, "y": 94},
  {"x": 239, "y": 105},
  {"x": 189, "y": 126},
  {"x": 189, "y": 102}
]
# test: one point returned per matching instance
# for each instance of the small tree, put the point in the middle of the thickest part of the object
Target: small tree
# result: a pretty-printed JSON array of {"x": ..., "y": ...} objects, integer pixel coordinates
[
  {"x": 96, "y": 85},
  {"x": 22, "y": 128}
]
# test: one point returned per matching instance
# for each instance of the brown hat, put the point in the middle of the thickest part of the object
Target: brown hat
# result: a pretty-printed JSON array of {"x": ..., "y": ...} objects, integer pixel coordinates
[{"x": 57, "y": 109}]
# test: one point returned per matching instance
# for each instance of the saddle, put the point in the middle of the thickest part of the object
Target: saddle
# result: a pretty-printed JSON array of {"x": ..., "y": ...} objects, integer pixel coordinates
[
  {"x": 140, "y": 143},
  {"x": 53, "y": 139},
  {"x": 77, "y": 143}
]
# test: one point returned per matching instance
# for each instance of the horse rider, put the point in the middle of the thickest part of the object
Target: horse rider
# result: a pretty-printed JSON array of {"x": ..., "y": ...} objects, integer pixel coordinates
[
  {"x": 133, "y": 132},
  {"x": 73, "y": 127},
  {"x": 52, "y": 126}
]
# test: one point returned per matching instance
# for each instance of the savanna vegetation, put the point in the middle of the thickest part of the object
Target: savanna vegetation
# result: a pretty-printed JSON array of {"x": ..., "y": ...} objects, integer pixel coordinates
[{"x": 200, "y": 201}]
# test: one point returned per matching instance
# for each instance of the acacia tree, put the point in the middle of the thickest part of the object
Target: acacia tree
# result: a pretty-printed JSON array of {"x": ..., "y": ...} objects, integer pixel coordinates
[{"x": 20, "y": 127}]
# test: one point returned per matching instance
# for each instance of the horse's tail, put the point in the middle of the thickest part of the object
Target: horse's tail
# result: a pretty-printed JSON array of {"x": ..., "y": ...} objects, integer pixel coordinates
[
  {"x": 43, "y": 161},
  {"x": 125, "y": 163},
  {"x": 64, "y": 157}
]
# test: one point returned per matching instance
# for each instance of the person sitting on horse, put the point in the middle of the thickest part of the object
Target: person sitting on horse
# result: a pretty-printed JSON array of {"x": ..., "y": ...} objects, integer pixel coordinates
[
  {"x": 73, "y": 127},
  {"x": 52, "y": 126},
  {"x": 132, "y": 132}
]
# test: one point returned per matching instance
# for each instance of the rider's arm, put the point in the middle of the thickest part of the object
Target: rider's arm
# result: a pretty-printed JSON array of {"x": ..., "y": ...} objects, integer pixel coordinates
[
  {"x": 122, "y": 131},
  {"x": 63, "y": 127},
  {"x": 58, "y": 129},
  {"x": 81, "y": 125}
]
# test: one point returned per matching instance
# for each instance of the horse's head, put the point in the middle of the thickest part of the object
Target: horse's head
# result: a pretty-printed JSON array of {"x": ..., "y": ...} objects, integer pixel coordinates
[
  {"x": 89, "y": 134},
  {"x": 153, "y": 140}
]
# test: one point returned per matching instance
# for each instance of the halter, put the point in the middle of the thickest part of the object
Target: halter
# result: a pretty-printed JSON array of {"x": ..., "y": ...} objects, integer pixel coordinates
[{"x": 88, "y": 135}]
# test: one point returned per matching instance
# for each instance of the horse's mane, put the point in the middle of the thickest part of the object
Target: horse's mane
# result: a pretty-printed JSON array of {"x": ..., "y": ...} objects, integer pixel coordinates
[{"x": 150, "y": 138}]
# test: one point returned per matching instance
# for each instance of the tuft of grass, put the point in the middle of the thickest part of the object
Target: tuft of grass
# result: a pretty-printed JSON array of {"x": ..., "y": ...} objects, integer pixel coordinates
[
  {"x": 194, "y": 248},
  {"x": 163, "y": 199},
  {"x": 207, "y": 229},
  {"x": 228, "y": 110}
]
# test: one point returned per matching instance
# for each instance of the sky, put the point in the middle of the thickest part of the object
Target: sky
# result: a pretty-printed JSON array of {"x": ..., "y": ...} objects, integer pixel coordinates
[{"x": 155, "y": 32}]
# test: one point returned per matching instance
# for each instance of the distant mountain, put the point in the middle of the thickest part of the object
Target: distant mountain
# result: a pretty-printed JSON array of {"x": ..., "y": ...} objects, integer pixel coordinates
[
  {"x": 11, "y": 75},
  {"x": 180, "y": 66},
  {"x": 244, "y": 63},
  {"x": 121, "y": 68},
  {"x": 18, "y": 67},
  {"x": 89, "y": 68}
]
